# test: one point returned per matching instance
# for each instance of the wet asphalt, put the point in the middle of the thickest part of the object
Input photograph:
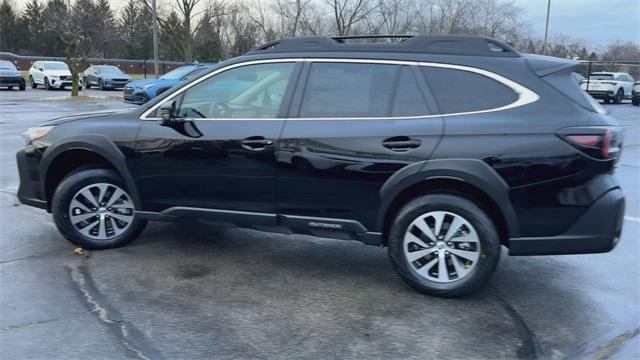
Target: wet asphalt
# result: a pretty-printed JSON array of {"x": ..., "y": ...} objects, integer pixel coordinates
[{"x": 184, "y": 291}]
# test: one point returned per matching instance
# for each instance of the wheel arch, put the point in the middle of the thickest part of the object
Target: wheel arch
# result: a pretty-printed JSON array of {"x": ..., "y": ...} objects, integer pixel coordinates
[
  {"x": 468, "y": 177},
  {"x": 59, "y": 160}
]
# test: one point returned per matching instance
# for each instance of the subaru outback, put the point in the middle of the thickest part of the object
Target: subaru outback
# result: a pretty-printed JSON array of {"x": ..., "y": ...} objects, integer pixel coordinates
[{"x": 441, "y": 148}]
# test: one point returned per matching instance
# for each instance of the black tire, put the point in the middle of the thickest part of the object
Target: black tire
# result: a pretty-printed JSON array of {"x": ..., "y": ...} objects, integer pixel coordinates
[
  {"x": 86, "y": 83},
  {"x": 33, "y": 83},
  {"x": 23, "y": 86},
  {"x": 10, "y": 87},
  {"x": 47, "y": 84},
  {"x": 635, "y": 102},
  {"x": 63, "y": 196},
  {"x": 478, "y": 218},
  {"x": 101, "y": 85},
  {"x": 618, "y": 98}
]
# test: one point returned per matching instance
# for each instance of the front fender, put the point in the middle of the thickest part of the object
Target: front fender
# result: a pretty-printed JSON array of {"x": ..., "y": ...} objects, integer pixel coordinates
[
  {"x": 471, "y": 171},
  {"x": 98, "y": 144}
]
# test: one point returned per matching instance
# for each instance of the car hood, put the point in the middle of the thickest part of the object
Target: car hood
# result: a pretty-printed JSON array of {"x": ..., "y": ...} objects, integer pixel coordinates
[
  {"x": 88, "y": 115},
  {"x": 57, "y": 73},
  {"x": 152, "y": 82},
  {"x": 10, "y": 73}
]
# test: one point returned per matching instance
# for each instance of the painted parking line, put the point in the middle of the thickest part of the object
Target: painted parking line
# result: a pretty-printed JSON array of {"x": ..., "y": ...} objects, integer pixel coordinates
[{"x": 632, "y": 218}]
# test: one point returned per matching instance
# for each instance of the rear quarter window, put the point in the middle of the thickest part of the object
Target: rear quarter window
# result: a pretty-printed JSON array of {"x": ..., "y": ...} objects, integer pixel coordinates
[{"x": 459, "y": 91}]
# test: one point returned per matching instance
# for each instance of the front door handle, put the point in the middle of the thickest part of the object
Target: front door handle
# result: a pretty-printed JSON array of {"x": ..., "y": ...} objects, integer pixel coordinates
[
  {"x": 255, "y": 143},
  {"x": 401, "y": 143}
]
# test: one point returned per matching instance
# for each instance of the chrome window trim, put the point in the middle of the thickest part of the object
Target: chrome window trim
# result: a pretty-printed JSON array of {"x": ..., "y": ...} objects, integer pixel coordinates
[{"x": 525, "y": 95}]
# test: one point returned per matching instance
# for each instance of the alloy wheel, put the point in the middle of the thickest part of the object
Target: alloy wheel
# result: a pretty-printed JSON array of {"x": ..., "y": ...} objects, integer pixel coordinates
[
  {"x": 441, "y": 246},
  {"x": 101, "y": 211}
]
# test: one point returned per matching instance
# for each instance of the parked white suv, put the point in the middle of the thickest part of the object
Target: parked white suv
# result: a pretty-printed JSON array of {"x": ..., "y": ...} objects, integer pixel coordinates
[
  {"x": 609, "y": 86},
  {"x": 50, "y": 74}
]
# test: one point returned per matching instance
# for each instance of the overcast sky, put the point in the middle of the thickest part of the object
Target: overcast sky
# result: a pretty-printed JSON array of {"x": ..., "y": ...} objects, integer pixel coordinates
[{"x": 596, "y": 21}]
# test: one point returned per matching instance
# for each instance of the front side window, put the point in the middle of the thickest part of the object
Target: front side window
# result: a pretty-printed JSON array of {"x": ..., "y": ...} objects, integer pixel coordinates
[
  {"x": 252, "y": 91},
  {"x": 460, "y": 91},
  {"x": 337, "y": 90}
]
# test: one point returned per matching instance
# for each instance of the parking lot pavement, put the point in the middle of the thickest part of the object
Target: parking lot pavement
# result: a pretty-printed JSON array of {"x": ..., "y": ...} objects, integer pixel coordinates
[{"x": 195, "y": 291}]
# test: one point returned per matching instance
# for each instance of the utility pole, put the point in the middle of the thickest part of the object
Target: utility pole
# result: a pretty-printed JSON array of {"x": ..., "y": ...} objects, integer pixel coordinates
[
  {"x": 156, "y": 62},
  {"x": 546, "y": 29}
]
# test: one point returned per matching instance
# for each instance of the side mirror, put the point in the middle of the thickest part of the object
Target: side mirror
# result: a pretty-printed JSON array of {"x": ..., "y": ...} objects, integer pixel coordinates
[{"x": 167, "y": 112}]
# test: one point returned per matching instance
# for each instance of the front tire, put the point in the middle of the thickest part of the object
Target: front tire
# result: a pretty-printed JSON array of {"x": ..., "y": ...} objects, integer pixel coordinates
[
  {"x": 48, "y": 84},
  {"x": 101, "y": 84},
  {"x": 93, "y": 209},
  {"x": 443, "y": 245},
  {"x": 86, "y": 83},
  {"x": 33, "y": 83}
]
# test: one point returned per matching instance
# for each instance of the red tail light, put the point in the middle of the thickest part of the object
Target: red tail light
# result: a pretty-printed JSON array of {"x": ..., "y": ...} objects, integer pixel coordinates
[{"x": 597, "y": 142}]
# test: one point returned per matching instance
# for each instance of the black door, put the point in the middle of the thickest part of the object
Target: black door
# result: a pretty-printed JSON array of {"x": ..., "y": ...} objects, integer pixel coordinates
[
  {"x": 222, "y": 156},
  {"x": 357, "y": 124}
]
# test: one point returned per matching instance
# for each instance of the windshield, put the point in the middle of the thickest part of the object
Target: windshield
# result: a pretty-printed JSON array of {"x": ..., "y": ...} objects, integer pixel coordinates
[
  {"x": 109, "y": 70},
  {"x": 56, "y": 66},
  {"x": 601, "y": 77},
  {"x": 178, "y": 73},
  {"x": 5, "y": 65}
]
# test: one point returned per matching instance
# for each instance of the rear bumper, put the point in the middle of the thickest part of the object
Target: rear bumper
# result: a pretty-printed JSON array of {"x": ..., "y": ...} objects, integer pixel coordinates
[
  {"x": 11, "y": 81},
  {"x": 600, "y": 94},
  {"x": 596, "y": 231}
]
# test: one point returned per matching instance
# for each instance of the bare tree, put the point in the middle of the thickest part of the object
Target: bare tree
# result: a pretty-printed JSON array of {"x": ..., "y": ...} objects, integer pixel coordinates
[
  {"x": 392, "y": 17},
  {"x": 348, "y": 13}
]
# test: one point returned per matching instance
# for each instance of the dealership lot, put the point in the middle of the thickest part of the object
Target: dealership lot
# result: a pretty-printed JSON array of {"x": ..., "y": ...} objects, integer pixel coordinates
[{"x": 197, "y": 291}]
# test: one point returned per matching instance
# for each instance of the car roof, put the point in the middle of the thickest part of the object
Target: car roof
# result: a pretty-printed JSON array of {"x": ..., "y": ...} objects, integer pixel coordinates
[{"x": 421, "y": 44}]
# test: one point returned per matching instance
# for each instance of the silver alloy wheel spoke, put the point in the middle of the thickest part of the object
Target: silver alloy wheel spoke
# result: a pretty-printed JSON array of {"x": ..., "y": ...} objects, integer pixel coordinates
[
  {"x": 111, "y": 212},
  {"x": 445, "y": 257}
]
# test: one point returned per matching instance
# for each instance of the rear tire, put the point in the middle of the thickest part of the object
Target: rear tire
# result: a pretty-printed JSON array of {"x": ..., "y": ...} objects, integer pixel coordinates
[
  {"x": 103, "y": 212},
  {"x": 635, "y": 102},
  {"x": 451, "y": 259},
  {"x": 619, "y": 96},
  {"x": 10, "y": 87},
  {"x": 23, "y": 86}
]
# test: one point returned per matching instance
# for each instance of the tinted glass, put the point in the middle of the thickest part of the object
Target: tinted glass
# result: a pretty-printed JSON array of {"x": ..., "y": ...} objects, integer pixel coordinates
[
  {"x": 254, "y": 91},
  {"x": 6, "y": 65},
  {"x": 601, "y": 77},
  {"x": 348, "y": 90},
  {"x": 55, "y": 66},
  {"x": 195, "y": 73},
  {"x": 459, "y": 91},
  {"x": 408, "y": 100}
]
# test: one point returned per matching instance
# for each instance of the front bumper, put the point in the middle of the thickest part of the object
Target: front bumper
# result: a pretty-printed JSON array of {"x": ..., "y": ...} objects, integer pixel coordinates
[
  {"x": 30, "y": 190},
  {"x": 11, "y": 81},
  {"x": 597, "y": 230},
  {"x": 135, "y": 97}
]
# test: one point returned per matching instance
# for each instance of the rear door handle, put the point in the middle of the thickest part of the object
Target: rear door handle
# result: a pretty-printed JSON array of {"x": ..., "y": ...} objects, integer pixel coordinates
[
  {"x": 255, "y": 143},
  {"x": 401, "y": 143}
]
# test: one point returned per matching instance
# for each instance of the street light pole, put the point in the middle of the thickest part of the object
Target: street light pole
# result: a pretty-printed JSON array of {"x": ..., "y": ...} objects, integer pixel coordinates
[
  {"x": 546, "y": 29},
  {"x": 156, "y": 63}
]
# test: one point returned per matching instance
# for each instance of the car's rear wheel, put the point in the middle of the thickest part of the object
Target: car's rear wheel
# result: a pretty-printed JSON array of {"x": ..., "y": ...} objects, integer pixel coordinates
[
  {"x": 10, "y": 88},
  {"x": 23, "y": 86},
  {"x": 93, "y": 209},
  {"x": 635, "y": 102},
  {"x": 618, "y": 98},
  {"x": 33, "y": 83},
  {"x": 443, "y": 245}
]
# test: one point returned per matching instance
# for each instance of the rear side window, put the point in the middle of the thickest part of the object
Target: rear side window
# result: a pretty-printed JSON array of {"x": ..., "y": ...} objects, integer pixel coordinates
[
  {"x": 458, "y": 91},
  {"x": 408, "y": 100},
  {"x": 348, "y": 90}
]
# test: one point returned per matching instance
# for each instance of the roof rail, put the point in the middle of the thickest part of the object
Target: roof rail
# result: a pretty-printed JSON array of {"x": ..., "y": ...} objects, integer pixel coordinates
[{"x": 432, "y": 44}]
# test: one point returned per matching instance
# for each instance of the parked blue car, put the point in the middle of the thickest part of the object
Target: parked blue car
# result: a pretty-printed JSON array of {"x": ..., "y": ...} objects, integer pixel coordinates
[{"x": 141, "y": 91}]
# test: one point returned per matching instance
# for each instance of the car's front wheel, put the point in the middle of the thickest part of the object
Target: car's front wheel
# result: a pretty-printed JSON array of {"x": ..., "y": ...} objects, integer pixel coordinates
[
  {"x": 443, "y": 245},
  {"x": 86, "y": 83},
  {"x": 93, "y": 209},
  {"x": 47, "y": 84},
  {"x": 33, "y": 83}
]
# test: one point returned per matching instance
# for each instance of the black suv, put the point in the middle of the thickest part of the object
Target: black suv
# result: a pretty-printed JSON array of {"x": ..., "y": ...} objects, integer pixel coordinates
[{"x": 440, "y": 148}]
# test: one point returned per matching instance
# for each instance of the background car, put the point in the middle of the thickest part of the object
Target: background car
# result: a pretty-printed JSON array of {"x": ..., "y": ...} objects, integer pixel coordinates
[
  {"x": 105, "y": 77},
  {"x": 50, "y": 74},
  {"x": 609, "y": 86},
  {"x": 10, "y": 76},
  {"x": 141, "y": 91},
  {"x": 635, "y": 94}
]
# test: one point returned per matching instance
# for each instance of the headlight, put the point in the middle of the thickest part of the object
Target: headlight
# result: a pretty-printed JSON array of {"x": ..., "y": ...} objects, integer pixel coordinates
[
  {"x": 35, "y": 133},
  {"x": 144, "y": 87}
]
